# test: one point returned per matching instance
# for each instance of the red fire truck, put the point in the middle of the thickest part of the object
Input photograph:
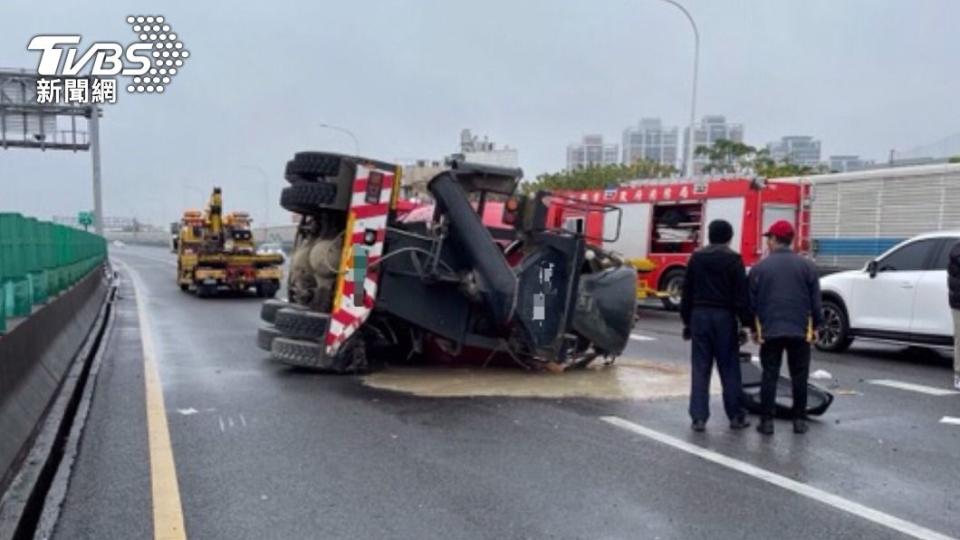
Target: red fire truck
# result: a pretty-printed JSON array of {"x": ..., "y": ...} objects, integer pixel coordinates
[{"x": 663, "y": 221}]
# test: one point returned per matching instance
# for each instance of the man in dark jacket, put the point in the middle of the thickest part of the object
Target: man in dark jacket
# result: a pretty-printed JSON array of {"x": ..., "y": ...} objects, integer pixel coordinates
[
  {"x": 785, "y": 294},
  {"x": 953, "y": 283},
  {"x": 714, "y": 297}
]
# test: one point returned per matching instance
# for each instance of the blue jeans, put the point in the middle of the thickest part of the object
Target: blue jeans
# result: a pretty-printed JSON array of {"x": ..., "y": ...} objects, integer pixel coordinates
[{"x": 714, "y": 337}]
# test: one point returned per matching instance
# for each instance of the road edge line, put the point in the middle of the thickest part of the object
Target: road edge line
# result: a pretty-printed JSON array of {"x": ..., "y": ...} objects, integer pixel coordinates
[
  {"x": 168, "y": 521},
  {"x": 799, "y": 488}
]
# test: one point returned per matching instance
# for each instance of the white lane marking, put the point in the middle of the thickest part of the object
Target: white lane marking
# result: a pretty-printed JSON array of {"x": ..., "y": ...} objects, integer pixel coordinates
[
  {"x": 929, "y": 390},
  {"x": 950, "y": 420},
  {"x": 222, "y": 427},
  {"x": 638, "y": 337},
  {"x": 243, "y": 420},
  {"x": 188, "y": 411},
  {"x": 819, "y": 495}
]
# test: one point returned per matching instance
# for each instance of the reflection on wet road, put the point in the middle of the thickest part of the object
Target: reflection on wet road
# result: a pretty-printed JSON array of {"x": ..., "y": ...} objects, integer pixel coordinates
[{"x": 627, "y": 378}]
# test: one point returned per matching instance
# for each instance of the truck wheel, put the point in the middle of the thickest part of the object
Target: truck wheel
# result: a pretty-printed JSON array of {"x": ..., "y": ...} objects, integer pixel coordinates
[
  {"x": 267, "y": 289},
  {"x": 184, "y": 287},
  {"x": 265, "y": 336},
  {"x": 835, "y": 334},
  {"x": 206, "y": 291},
  {"x": 310, "y": 166},
  {"x": 310, "y": 355},
  {"x": 302, "y": 323},
  {"x": 308, "y": 198},
  {"x": 672, "y": 284},
  {"x": 269, "y": 309}
]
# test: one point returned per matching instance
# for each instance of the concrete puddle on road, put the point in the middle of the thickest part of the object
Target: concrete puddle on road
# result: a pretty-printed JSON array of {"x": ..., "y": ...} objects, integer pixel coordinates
[{"x": 628, "y": 378}]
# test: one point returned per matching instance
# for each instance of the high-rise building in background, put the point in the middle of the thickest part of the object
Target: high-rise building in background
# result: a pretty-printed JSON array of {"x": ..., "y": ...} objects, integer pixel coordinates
[
  {"x": 592, "y": 151},
  {"x": 709, "y": 130},
  {"x": 797, "y": 149},
  {"x": 649, "y": 140},
  {"x": 848, "y": 163}
]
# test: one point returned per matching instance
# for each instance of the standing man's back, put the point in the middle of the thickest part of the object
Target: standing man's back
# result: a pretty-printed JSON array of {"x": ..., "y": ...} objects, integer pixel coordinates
[
  {"x": 785, "y": 294},
  {"x": 786, "y": 289},
  {"x": 714, "y": 297}
]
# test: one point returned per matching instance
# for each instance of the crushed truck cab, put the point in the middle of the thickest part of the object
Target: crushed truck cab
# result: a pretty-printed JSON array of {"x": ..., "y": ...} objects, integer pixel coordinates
[{"x": 364, "y": 279}]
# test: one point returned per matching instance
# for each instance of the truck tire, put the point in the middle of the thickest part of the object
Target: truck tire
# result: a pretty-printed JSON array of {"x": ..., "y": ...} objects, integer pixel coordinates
[
  {"x": 311, "y": 166},
  {"x": 302, "y": 323},
  {"x": 265, "y": 336},
  {"x": 309, "y": 198},
  {"x": 835, "y": 334},
  {"x": 267, "y": 289},
  {"x": 269, "y": 309},
  {"x": 206, "y": 291},
  {"x": 672, "y": 284},
  {"x": 310, "y": 355}
]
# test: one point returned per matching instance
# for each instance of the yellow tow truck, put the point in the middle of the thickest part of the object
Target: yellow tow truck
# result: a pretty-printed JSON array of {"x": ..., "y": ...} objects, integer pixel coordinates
[{"x": 217, "y": 252}]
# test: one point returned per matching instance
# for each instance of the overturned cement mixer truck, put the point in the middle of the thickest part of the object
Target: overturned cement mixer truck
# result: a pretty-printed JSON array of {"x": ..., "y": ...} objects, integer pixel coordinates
[{"x": 367, "y": 284}]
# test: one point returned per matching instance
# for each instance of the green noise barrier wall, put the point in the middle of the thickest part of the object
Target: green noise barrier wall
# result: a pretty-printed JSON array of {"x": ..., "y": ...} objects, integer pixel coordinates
[{"x": 39, "y": 260}]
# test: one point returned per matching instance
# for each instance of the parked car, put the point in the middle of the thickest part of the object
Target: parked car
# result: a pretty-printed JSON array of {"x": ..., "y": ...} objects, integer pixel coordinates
[
  {"x": 900, "y": 297},
  {"x": 271, "y": 248}
]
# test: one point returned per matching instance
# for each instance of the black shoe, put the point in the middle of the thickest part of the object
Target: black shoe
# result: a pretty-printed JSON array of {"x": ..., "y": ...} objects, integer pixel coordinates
[
  {"x": 699, "y": 425},
  {"x": 800, "y": 426},
  {"x": 739, "y": 423},
  {"x": 765, "y": 426}
]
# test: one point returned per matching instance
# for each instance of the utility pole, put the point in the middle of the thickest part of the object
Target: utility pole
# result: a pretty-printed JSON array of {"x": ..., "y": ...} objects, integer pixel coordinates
[
  {"x": 95, "y": 153},
  {"x": 688, "y": 161}
]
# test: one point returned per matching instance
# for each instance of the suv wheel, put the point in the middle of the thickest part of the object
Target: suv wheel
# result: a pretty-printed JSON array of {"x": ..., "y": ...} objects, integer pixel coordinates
[{"x": 835, "y": 334}]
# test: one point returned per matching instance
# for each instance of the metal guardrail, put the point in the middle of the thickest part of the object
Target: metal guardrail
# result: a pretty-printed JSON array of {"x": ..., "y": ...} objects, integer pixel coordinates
[{"x": 40, "y": 259}]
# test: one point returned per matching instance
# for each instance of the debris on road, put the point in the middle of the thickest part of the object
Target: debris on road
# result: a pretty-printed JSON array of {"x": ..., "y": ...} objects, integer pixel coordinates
[{"x": 821, "y": 374}]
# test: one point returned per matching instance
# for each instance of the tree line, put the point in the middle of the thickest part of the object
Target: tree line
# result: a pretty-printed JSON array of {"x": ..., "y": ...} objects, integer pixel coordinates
[{"x": 723, "y": 157}]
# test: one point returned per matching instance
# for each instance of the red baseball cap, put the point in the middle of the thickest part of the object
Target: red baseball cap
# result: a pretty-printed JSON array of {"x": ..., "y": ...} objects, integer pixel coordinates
[{"x": 780, "y": 229}]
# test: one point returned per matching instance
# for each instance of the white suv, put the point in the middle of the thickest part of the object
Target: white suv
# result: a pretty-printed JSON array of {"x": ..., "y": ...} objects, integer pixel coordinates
[{"x": 901, "y": 296}]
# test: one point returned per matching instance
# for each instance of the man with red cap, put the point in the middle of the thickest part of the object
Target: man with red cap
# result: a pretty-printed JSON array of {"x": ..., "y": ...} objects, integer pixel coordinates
[{"x": 785, "y": 295}]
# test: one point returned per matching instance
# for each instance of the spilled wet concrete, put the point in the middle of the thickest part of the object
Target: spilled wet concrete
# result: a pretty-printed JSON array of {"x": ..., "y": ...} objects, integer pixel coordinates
[{"x": 626, "y": 379}]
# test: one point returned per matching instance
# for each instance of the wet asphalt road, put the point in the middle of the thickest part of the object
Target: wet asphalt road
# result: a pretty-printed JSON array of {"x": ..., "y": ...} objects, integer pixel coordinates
[{"x": 265, "y": 452}]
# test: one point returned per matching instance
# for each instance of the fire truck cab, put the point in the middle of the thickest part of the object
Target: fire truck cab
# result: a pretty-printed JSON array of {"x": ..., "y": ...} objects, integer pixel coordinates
[{"x": 662, "y": 222}]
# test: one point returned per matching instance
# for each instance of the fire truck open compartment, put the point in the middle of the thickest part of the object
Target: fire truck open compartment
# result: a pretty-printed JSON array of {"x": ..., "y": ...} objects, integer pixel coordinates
[{"x": 676, "y": 227}]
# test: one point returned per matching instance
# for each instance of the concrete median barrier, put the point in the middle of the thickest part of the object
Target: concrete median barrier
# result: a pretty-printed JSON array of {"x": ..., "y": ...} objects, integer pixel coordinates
[{"x": 35, "y": 356}]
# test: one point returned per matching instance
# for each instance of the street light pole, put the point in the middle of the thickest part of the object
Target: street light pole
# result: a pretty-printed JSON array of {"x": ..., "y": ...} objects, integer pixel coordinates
[
  {"x": 688, "y": 165},
  {"x": 356, "y": 142},
  {"x": 95, "y": 154}
]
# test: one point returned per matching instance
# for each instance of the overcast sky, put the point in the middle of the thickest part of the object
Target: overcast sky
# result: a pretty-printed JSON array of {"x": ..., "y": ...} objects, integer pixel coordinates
[{"x": 864, "y": 76}]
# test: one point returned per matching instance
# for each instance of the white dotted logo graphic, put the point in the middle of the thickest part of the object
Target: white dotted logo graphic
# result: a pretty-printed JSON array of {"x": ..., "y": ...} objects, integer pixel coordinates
[{"x": 167, "y": 53}]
